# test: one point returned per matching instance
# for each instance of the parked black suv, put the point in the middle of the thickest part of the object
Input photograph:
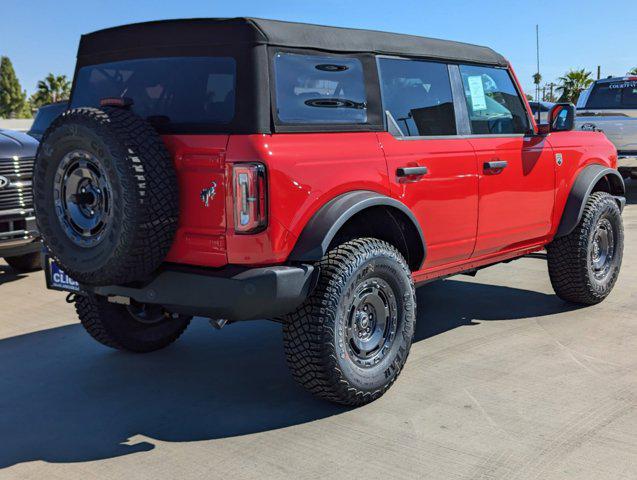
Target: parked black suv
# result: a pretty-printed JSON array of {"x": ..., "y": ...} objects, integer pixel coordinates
[{"x": 19, "y": 240}]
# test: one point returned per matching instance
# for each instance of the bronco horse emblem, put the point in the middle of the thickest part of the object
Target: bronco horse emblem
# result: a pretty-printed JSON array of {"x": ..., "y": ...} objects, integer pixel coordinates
[{"x": 208, "y": 194}]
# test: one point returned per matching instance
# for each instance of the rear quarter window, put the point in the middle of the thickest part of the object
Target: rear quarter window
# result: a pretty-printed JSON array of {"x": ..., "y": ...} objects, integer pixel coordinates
[
  {"x": 314, "y": 89},
  {"x": 174, "y": 92}
]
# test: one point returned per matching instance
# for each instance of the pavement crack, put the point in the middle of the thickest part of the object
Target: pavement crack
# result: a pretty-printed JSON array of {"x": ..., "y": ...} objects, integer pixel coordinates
[{"x": 568, "y": 350}]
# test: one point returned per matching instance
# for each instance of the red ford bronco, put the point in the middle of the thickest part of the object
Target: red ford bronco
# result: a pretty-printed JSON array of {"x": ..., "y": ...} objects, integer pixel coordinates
[{"x": 240, "y": 169}]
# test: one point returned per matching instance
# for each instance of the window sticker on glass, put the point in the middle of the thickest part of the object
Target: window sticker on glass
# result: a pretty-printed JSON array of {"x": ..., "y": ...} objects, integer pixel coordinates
[
  {"x": 613, "y": 86},
  {"x": 478, "y": 101}
]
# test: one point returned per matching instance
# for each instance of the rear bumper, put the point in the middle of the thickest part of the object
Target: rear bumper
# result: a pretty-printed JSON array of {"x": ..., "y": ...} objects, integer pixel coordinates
[{"x": 230, "y": 294}]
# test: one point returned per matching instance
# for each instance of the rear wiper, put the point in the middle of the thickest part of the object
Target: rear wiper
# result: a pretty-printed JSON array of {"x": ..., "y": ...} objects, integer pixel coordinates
[{"x": 335, "y": 103}]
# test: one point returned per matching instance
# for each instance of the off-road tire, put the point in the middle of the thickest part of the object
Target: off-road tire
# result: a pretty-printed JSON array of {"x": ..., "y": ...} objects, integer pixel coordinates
[
  {"x": 570, "y": 257},
  {"x": 145, "y": 197},
  {"x": 112, "y": 325},
  {"x": 314, "y": 335},
  {"x": 29, "y": 262}
]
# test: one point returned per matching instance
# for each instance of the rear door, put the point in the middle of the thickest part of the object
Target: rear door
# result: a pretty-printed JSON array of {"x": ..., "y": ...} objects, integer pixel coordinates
[
  {"x": 516, "y": 167},
  {"x": 431, "y": 169}
]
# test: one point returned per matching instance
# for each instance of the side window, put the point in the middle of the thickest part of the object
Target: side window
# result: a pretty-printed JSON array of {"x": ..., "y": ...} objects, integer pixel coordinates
[
  {"x": 418, "y": 95},
  {"x": 319, "y": 89},
  {"x": 493, "y": 102}
]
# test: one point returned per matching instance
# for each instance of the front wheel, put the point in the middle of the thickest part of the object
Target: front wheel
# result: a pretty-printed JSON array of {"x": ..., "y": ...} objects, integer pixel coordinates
[
  {"x": 350, "y": 339},
  {"x": 584, "y": 264},
  {"x": 137, "y": 327}
]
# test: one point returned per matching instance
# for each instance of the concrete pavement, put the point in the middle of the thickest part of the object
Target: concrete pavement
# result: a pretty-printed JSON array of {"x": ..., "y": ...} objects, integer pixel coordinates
[{"x": 504, "y": 381}]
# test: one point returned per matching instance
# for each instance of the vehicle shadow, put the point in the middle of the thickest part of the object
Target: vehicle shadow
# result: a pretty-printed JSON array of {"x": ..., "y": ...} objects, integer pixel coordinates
[
  {"x": 65, "y": 398},
  {"x": 7, "y": 275},
  {"x": 448, "y": 304}
]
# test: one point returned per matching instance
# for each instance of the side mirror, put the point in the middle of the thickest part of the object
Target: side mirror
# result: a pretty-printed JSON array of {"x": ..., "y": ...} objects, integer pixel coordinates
[{"x": 561, "y": 119}]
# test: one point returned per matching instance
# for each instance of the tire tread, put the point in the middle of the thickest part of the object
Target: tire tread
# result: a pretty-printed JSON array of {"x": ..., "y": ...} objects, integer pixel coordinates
[
  {"x": 95, "y": 314},
  {"x": 309, "y": 333},
  {"x": 568, "y": 261}
]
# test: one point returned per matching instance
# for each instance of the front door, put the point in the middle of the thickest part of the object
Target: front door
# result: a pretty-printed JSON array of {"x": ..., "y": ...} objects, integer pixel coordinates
[
  {"x": 431, "y": 169},
  {"x": 516, "y": 168}
]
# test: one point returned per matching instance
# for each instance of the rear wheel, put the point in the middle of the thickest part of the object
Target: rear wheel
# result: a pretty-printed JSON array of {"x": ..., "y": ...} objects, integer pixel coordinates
[
  {"x": 584, "y": 264},
  {"x": 350, "y": 339},
  {"x": 26, "y": 263},
  {"x": 136, "y": 327}
]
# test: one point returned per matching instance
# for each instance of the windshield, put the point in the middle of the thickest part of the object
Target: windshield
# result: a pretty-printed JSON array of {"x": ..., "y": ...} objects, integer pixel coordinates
[
  {"x": 172, "y": 93},
  {"x": 614, "y": 95}
]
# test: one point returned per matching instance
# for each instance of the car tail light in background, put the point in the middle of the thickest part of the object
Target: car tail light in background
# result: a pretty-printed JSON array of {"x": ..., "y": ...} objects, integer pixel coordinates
[{"x": 250, "y": 202}]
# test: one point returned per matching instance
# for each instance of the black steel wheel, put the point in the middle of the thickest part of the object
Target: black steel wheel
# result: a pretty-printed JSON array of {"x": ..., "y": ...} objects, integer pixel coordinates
[
  {"x": 372, "y": 322},
  {"x": 603, "y": 249},
  {"x": 350, "y": 339},
  {"x": 83, "y": 198}
]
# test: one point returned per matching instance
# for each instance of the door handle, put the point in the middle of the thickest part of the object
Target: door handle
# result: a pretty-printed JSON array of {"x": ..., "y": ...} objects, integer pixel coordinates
[
  {"x": 495, "y": 166},
  {"x": 411, "y": 171}
]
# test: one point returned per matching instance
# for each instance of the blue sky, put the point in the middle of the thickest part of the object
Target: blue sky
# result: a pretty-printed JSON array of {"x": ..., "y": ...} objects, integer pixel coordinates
[{"x": 41, "y": 36}]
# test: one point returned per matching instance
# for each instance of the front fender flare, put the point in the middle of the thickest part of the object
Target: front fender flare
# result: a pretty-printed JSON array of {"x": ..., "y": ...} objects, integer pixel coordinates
[
  {"x": 582, "y": 188},
  {"x": 321, "y": 229}
]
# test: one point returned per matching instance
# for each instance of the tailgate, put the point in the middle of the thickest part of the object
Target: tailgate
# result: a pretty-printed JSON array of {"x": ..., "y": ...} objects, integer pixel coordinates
[{"x": 200, "y": 164}]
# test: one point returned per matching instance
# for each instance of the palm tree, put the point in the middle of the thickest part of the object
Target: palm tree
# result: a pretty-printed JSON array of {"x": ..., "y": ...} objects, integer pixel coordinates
[
  {"x": 572, "y": 84},
  {"x": 52, "y": 89},
  {"x": 633, "y": 71}
]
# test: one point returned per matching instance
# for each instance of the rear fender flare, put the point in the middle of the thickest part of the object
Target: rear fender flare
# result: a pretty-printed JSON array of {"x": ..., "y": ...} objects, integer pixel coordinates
[
  {"x": 322, "y": 228},
  {"x": 582, "y": 188}
]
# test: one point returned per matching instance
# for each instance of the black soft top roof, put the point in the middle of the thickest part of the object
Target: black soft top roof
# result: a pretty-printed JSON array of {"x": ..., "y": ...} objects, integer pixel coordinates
[{"x": 194, "y": 35}]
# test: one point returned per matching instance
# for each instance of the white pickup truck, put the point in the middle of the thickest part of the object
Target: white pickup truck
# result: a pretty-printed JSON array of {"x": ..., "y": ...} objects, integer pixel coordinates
[{"x": 610, "y": 105}]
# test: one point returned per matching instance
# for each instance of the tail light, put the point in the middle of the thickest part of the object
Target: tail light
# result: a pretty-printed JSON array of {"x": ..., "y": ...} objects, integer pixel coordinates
[{"x": 250, "y": 198}]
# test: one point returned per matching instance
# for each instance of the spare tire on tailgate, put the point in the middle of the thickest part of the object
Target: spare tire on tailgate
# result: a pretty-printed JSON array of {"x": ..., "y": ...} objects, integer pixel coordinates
[{"x": 106, "y": 195}]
